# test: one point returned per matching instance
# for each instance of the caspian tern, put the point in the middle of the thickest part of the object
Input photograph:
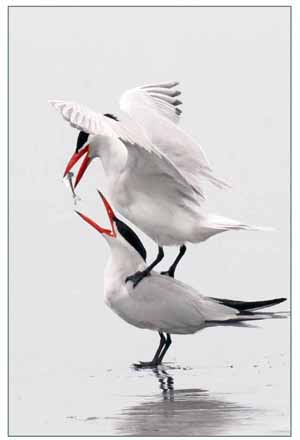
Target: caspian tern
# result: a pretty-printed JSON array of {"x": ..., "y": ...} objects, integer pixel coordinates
[
  {"x": 155, "y": 172},
  {"x": 161, "y": 303}
]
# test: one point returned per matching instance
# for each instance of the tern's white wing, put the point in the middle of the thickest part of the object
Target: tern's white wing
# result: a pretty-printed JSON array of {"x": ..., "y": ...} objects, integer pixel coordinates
[
  {"x": 145, "y": 158},
  {"x": 184, "y": 153},
  {"x": 80, "y": 117},
  {"x": 172, "y": 306},
  {"x": 127, "y": 130},
  {"x": 161, "y": 98},
  {"x": 83, "y": 118}
]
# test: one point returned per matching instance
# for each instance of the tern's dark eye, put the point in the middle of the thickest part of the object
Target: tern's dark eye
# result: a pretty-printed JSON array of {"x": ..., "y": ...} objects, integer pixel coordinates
[
  {"x": 131, "y": 237},
  {"x": 81, "y": 140}
]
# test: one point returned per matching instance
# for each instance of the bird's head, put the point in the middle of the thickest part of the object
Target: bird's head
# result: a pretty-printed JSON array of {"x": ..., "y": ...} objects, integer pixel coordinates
[
  {"x": 119, "y": 236},
  {"x": 88, "y": 146}
]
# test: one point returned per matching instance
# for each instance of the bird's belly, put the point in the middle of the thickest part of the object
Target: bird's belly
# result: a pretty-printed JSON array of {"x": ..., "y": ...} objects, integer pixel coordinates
[
  {"x": 167, "y": 222},
  {"x": 126, "y": 308},
  {"x": 143, "y": 314}
]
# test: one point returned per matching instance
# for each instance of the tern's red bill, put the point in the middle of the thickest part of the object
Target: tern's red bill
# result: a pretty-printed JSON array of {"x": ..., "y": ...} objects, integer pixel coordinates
[
  {"x": 74, "y": 159},
  {"x": 111, "y": 215},
  {"x": 85, "y": 163}
]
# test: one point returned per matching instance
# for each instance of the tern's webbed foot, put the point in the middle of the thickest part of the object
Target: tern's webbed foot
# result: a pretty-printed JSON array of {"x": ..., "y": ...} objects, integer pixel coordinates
[{"x": 137, "y": 277}]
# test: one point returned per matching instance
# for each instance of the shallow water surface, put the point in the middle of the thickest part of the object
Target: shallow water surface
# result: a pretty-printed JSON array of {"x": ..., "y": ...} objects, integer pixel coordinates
[{"x": 249, "y": 399}]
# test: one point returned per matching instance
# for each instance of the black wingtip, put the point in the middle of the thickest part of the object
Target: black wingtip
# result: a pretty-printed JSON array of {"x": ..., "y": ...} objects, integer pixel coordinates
[
  {"x": 279, "y": 300},
  {"x": 249, "y": 305}
]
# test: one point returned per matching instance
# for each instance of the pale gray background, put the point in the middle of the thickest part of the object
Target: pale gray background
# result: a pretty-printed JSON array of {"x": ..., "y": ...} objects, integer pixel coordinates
[{"x": 233, "y": 65}]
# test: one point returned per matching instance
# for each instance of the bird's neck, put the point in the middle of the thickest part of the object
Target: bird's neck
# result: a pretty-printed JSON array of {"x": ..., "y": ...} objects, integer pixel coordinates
[
  {"x": 122, "y": 263},
  {"x": 113, "y": 155}
]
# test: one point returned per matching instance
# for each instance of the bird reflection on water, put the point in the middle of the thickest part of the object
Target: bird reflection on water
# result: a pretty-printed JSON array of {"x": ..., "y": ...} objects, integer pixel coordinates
[
  {"x": 166, "y": 382},
  {"x": 188, "y": 411}
]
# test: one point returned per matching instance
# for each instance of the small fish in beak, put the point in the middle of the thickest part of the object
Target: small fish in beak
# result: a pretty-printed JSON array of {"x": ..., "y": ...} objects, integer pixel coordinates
[{"x": 68, "y": 180}]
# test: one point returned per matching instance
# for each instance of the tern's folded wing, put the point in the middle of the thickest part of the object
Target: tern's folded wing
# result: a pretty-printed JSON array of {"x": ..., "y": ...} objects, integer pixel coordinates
[{"x": 166, "y": 303}]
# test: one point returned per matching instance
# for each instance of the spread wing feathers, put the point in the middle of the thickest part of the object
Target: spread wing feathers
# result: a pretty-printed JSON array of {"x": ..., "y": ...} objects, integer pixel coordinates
[
  {"x": 155, "y": 174},
  {"x": 80, "y": 116},
  {"x": 142, "y": 150},
  {"x": 161, "y": 98},
  {"x": 185, "y": 153},
  {"x": 85, "y": 119},
  {"x": 169, "y": 305}
]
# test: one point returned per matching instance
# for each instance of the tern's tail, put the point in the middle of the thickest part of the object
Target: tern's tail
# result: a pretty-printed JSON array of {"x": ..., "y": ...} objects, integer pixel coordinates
[{"x": 227, "y": 224}]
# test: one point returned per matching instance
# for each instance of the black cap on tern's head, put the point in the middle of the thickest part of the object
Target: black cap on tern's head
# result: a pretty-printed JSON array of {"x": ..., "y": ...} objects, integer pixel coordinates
[
  {"x": 131, "y": 237},
  {"x": 81, "y": 140},
  {"x": 118, "y": 228}
]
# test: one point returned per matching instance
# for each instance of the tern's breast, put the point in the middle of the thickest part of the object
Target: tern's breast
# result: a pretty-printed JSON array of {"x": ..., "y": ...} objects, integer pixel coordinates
[{"x": 168, "y": 222}]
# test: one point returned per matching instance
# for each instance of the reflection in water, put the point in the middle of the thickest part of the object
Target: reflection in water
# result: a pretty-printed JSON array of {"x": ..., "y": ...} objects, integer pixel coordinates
[
  {"x": 181, "y": 412},
  {"x": 166, "y": 383}
]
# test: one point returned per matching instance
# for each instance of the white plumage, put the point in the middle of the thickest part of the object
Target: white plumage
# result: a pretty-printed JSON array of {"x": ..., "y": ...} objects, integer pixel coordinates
[
  {"x": 155, "y": 171},
  {"x": 159, "y": 302},
  {"x": 150, "y": 122}
]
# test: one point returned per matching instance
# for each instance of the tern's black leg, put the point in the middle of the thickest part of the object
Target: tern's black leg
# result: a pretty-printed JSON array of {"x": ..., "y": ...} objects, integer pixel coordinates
[
  {"x": 155, "y": 361},
  {"x": 164, "y": 350},
  {"x": 171, "y": 271},
  {"x": 138, "y": 276}
]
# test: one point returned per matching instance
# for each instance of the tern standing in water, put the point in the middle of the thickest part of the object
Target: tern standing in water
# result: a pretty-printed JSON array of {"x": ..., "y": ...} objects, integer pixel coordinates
[
  {"x": 155, "y": 172},
  {"x": 159, "y": 302}
]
